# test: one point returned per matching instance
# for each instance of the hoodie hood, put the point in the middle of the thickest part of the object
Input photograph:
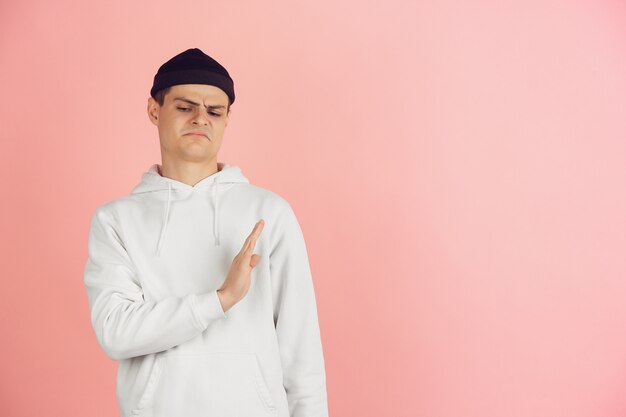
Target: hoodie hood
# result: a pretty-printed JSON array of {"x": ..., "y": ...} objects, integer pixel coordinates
[{"x": 153, "y": 182}]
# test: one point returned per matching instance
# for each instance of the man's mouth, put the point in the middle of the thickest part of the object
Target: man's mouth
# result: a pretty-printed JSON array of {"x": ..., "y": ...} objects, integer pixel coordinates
[{"x": 197, "y": 134}]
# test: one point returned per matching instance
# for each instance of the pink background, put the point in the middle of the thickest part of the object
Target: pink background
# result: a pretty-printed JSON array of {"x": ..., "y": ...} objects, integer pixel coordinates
[{"x": 458, "y": 169}]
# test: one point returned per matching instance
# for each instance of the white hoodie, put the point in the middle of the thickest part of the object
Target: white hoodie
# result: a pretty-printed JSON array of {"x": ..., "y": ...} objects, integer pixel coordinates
[{"x": 156, "y": 260}]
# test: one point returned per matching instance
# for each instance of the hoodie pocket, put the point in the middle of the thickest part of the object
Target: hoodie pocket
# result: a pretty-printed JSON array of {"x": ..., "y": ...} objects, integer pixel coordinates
[
  {"x": 146, "y": 396},
  {"x": 220, "y": 384}
]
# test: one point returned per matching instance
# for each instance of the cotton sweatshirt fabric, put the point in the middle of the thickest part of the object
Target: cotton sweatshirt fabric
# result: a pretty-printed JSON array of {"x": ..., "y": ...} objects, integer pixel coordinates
[{"x": 155, "y": 261}]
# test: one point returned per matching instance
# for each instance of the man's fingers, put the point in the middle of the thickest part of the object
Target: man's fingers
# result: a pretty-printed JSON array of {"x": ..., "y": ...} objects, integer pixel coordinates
[
  {"x": 246, "y": 242},
  {"x": 250, "y": 242},
  {"x": 254, "y": 236}
]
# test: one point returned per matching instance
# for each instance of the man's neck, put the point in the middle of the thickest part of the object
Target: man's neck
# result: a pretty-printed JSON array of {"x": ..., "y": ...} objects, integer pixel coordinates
[{"x": 188, "y": 172}]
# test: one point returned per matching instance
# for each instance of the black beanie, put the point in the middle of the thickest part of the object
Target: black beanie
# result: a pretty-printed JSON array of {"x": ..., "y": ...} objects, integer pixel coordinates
[{"x": 193, "y": 67}]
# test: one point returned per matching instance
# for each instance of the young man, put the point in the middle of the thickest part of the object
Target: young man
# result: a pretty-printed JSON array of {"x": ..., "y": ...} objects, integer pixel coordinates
[{"x": 199, "y": 282}]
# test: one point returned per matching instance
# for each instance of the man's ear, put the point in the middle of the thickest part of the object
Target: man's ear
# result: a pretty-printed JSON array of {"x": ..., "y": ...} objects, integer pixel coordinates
[{"x": 153, "y": 111}]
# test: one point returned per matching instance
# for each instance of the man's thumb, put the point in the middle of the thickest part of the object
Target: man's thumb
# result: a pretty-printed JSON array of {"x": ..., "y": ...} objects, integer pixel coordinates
[{"x": 254, "y": 260}]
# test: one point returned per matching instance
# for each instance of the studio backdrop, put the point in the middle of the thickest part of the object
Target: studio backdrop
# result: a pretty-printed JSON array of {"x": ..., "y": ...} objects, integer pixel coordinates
[{"x": 458, "y": 169}]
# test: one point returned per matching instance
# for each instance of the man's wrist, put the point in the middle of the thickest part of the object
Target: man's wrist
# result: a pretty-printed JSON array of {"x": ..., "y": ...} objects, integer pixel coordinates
[{"x": 225, "y": 299}]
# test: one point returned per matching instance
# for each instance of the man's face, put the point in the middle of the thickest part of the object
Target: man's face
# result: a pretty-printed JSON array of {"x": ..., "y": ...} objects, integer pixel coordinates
[{"x": 179, "y": 118}]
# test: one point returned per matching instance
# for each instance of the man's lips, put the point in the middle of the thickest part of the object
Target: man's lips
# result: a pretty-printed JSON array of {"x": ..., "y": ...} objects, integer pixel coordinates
[{"x": 198, "y": 134}]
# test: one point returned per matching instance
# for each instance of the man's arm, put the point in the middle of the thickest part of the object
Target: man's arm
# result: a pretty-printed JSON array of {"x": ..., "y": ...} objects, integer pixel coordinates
[
  {"x": 295, "y": 317},
  {"x": 125, "y": 325}
]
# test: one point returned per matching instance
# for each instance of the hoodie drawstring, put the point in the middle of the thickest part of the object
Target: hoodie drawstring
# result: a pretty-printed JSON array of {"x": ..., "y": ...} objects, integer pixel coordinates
[
  {"x": 215, "y": 196},
  {"x": 165, "y": 220},
  {"x": 215, "y": 216}
]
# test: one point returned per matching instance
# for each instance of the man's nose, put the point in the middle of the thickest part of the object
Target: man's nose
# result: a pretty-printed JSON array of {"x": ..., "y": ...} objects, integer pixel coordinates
[{"x": 201, "y": 118}]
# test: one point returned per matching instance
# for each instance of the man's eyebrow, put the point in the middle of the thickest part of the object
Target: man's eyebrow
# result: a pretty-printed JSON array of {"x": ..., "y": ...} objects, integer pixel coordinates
[{"x": 185, "y": 99}]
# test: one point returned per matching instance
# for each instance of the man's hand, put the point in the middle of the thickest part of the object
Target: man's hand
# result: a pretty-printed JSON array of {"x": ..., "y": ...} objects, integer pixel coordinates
[{"x": 237, "y": 282}]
